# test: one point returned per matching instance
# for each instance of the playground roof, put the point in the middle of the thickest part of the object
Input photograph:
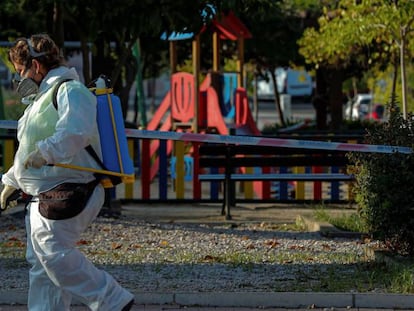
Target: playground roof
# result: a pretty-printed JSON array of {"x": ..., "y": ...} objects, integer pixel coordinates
[{"x": 228, "y": 26}]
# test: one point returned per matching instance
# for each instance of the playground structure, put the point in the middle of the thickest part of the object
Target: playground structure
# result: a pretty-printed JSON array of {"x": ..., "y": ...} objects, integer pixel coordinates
[
  {"x": 219, "y": 104},
  {"x": 227, "y": 27}
]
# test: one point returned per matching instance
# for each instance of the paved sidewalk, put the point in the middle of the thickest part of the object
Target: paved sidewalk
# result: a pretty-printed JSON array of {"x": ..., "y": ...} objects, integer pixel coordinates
[
  {"x": 15, "y": 300},
  {"x": 172, "y": 308}
]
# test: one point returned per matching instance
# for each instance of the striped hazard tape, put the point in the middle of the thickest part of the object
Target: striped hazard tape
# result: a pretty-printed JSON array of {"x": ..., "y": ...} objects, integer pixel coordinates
[
  {"x": 265, "y": 141},
  {"x": 250, "y": 140}
]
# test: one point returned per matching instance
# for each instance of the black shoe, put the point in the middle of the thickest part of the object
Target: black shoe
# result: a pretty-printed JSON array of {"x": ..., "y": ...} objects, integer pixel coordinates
[{"x": 128, "y": 306}]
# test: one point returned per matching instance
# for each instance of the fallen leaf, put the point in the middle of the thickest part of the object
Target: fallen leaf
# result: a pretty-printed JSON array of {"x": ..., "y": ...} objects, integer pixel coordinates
[
  {"x": 210, "y": 258},
  {"x": 82, "y": 242},
  {"x": 250, "y": 246},
  {"x": 299, "y": 247},
  {"x": 116, "y": 245},
  {"x": 272, "y": 243},
  {"x": 164, "y": 243}
]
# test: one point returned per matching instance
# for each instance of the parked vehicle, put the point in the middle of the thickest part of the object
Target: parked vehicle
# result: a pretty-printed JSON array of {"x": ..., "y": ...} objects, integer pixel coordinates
[
  {"x": 359, "y": 107},
  {"x": 377, "y": 112},
  {"x": 293, "y": 82}
]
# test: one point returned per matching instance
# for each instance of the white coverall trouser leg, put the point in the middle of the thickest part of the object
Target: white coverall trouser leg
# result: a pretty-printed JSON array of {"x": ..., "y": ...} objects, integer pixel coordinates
[{"x": 60, "y": 271}]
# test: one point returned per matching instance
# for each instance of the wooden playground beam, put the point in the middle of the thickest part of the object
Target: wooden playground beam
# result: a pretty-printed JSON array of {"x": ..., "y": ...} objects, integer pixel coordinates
[
  {"x": 240, "y": 62},
  {"x": 216, "y": 52},
  {"x": 196, "y": 72},
  {"x": 173, "y": 56}
]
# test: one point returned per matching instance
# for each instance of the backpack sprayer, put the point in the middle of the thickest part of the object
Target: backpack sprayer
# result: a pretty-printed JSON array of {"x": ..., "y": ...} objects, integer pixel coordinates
[{"x": 116, "y": 164}]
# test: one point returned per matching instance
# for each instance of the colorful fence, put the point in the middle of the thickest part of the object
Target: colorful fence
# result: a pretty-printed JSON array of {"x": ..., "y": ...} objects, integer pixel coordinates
[
  {"x": 180, "y": 182},
  {"x": 177, "y": 179}
]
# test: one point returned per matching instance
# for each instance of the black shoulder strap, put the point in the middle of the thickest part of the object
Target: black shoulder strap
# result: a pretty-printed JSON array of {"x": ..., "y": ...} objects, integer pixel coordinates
[
  {"x": 55, "y": 91},
  {"x": 114, "y": 179}
]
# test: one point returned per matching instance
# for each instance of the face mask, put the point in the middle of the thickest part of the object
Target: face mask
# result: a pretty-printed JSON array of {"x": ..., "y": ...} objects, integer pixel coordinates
[{"x": 27, "y": 87}]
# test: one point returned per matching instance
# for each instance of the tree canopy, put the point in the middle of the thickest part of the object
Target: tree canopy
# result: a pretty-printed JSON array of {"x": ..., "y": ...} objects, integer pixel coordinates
[
  {"x": 356, "y": 35},
  {"x": 342, "y": 38}
]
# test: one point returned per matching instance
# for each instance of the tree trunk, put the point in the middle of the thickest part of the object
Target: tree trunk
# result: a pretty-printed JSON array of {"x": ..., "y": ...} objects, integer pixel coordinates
[
  {"x": 403, "y": 75},
  {"x": 320, "y": 101},
  {"x": 58, "y": 29},
  {"x": 336, "y": 78},
  {"x": 101, "y": 63},
  {"x": 255, "y": 101},
  {"x": 394, "y": 82},
  {"x": 277, "y": 98},
  {"x": 86, "y": 68}
]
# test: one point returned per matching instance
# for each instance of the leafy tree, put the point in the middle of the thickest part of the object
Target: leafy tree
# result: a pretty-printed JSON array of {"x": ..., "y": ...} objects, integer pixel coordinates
[
  {"x": 354, "y": 35},
  {"x": 23, "y": 17},
  {"x": 111, "y": 29},
  {"x": 276, "y": 27},
  {"x": 333, "y": 50},
  {"x": 392, "y": 22}
]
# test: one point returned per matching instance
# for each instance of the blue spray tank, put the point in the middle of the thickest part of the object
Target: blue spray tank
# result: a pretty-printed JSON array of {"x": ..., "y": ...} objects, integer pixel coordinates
[{"x": 111, "y": 128}]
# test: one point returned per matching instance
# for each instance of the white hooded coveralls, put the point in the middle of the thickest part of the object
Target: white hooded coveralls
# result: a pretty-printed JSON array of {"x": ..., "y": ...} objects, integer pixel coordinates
[{"x": 58, "y": 270}]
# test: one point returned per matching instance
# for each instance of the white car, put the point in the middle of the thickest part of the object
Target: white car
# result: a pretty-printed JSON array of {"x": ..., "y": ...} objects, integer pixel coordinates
[
  {"x": 293, "y": 82},
  {"x": 359, "y": 107}
]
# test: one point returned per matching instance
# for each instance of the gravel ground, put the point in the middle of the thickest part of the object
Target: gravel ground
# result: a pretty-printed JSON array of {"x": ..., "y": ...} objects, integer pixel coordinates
[{"x": 173, "y": 257}]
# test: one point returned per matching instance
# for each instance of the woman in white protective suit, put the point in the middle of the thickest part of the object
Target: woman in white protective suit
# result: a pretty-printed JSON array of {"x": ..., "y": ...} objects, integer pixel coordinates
[{"x": 48, "y": 135}]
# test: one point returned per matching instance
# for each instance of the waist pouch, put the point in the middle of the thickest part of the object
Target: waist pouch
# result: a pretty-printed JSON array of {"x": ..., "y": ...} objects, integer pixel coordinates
[{"x": 66, "y": 200}]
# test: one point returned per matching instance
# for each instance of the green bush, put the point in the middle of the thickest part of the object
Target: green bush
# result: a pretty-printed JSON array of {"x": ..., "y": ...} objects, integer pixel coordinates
[
  {"x": 13, "y": 109},
  {"x": 384, "y": 189}
]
